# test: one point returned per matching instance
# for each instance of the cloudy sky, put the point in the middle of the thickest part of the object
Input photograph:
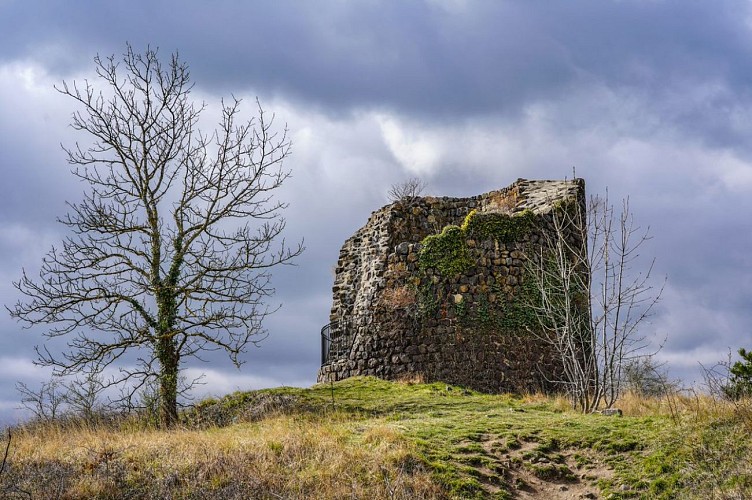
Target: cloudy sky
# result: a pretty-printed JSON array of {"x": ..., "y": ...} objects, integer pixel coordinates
[{"x": 651, "y": 99}]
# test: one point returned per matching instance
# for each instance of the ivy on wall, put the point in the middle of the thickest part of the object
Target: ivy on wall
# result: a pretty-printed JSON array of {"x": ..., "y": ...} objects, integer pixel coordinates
[
  {"x": 446, "y": 256},
  {"x": 516, "y": 314},
  {"x": 500, "y": 227},
  {"x": 446, "y": 252}
]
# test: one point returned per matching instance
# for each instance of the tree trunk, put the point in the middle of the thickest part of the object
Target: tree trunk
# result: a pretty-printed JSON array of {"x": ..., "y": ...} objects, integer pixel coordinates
[
  {"x": 167, "y": 350},
  {"x": 168, "y": 382}
]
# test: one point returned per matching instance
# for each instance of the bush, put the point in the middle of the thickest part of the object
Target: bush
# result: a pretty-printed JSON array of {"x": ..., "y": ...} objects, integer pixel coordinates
[
  {"x": 644, "y": 377},
  {"x": 740, "y": 382}
]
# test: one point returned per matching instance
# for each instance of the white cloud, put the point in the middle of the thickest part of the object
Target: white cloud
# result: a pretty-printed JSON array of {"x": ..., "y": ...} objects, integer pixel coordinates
[
  {"x": 736, "y": 174},
  {"x": 217, "y": 383},
  {"x": 451, "y": 5},
  {"x": 692, "y": 360},
  {"x": 22, "y": 242},
  {"x": 414, "y": 147},
  {"x": 29, "y": 100},
  {"x": 21, "y": 369},
  {"x": 27, "y": 77}
]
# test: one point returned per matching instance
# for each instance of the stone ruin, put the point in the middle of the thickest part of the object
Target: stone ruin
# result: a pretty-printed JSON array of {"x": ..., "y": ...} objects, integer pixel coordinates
[{"x": 435, "y": 288}]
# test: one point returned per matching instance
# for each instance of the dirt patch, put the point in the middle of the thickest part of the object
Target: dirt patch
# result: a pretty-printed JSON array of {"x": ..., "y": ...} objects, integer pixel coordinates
[{"x": 530, "y": 470}]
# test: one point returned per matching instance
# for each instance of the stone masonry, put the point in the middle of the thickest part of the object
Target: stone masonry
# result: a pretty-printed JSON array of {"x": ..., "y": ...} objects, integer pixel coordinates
[{"x": 435, "y": 288}]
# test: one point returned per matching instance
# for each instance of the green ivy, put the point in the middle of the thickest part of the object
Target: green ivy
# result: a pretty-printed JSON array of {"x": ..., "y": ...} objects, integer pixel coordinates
[
  {"x": 516, "y": 314},
  {"x": 428, "y": 302},
  {"x": 483, "y": 311},
  {"x": 460, "y": 310},
  {"x": 503, "y": 228},
  {"x": 520, "y": 313},
  {"x": 447, "y": 252}
]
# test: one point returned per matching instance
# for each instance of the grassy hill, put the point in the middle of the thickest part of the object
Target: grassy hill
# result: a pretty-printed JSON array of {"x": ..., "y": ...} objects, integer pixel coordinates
[{"x": 367, "y": 438}]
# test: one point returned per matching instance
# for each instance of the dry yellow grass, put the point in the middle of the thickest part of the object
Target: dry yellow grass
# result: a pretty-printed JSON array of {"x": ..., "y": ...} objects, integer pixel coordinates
[
  {"x": 411, "y": 379},
  {"x": 557, "y": 402},
  {"x": 638, "y": 405},
  {"x": 686, "y": 406},
  {"x": 284, "y": 456},
  {"x": 677, "y": 405}
]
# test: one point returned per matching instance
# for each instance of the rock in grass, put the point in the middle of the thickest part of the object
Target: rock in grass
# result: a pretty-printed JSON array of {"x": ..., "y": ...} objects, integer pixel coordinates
[{"x": 611, "y": 412}]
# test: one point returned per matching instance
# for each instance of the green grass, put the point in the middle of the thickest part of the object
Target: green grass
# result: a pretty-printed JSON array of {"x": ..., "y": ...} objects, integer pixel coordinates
[
  {"x": 458, "y": 432},
  {"x": 365, "y": 437}
]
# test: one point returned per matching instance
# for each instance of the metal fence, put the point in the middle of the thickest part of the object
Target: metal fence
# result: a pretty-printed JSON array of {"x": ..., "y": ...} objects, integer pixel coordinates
[{"x": 336, "y": 341}]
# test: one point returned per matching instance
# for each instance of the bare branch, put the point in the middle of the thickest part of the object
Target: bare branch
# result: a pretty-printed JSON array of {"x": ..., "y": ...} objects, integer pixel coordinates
[
  {"x": 5, "y": 455},
  {"x": 45, "y": 403},
  {"x": 406, "y": 191},
  {"x": 591, "y": 299}
]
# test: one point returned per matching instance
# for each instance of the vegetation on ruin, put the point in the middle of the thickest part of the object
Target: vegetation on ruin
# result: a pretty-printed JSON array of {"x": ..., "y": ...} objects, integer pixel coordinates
[
  {"x": 367, "y": 438},
  {"x": 515, "y": 314},
  {"x": 498, "y": 226},
  {"x": 448, "y": 253}
]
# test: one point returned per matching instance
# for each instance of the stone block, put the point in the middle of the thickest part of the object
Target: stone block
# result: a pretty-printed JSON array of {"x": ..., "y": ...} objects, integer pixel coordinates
[{"x": 611, "y": 412}]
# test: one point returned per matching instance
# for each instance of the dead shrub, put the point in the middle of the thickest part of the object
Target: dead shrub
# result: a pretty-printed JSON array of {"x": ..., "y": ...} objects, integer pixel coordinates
[{"x": 401, "y": 297}]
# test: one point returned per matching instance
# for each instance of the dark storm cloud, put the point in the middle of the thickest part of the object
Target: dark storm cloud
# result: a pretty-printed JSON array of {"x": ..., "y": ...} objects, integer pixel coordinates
[
  {"x": 22, "y": 136},
  {"x": 447, "y": 58}
]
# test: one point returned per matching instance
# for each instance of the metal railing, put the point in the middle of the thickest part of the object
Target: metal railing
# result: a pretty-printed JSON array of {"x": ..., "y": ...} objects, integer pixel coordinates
[{"x": 336, "y": 341}]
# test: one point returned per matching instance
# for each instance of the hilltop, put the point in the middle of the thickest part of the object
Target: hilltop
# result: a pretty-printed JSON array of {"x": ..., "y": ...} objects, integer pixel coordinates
[{"x": 368, "y": 438}]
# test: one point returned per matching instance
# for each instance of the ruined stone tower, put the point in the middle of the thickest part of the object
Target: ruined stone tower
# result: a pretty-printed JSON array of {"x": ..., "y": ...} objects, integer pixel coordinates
[{"x": 435, "y": 287}]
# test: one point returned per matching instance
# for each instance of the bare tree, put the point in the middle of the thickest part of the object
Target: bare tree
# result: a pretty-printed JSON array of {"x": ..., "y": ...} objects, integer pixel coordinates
[
  {"x": 83, "y": 397},
  {"x": 46, "y": 403},
  {"x": 172, "y": 246},
  {"x": 591, "y": 298},
  {"x": 406, "y": 191},
  {"x": 644, "y": 376}
]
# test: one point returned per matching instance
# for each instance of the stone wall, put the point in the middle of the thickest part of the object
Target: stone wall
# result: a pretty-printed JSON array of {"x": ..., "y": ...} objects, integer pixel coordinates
[{"x": 435, "y": 287}]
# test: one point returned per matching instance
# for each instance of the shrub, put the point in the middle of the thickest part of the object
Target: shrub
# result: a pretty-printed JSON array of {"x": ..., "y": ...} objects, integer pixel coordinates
[{"x": 740, "y": 382}]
